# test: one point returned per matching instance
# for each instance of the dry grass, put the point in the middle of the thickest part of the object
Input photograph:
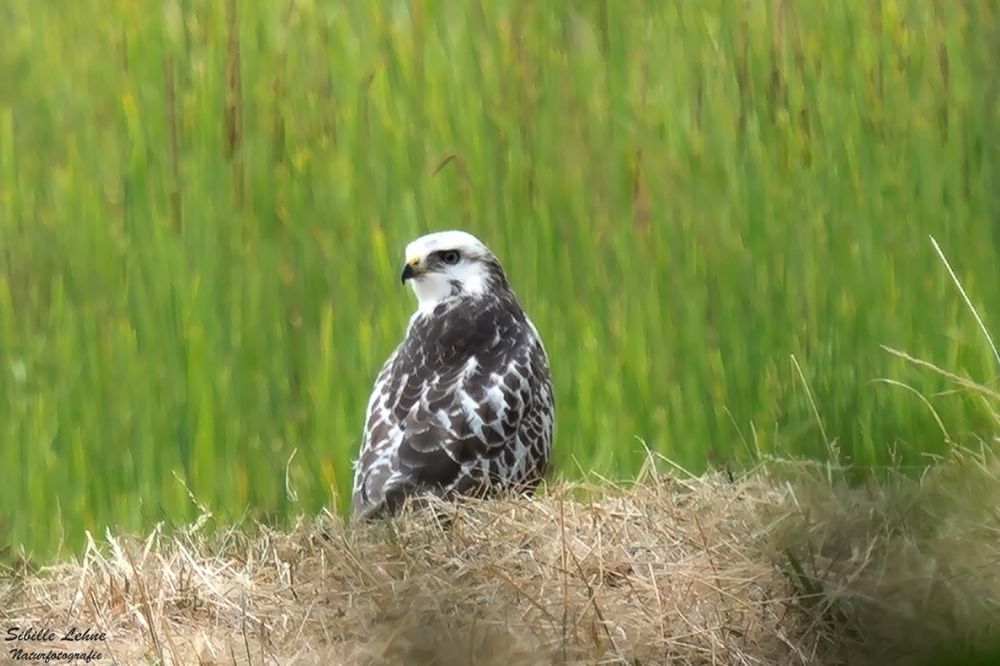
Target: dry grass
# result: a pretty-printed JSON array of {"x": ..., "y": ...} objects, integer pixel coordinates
[{"x": 781, "y": 566}]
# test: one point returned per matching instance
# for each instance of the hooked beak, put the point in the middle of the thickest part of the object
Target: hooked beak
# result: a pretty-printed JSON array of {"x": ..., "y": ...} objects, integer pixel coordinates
[{"x": 409, "y": 270}]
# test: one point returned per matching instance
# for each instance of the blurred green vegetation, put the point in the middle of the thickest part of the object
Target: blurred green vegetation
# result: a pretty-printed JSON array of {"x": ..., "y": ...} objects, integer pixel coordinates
[{"x": 203, "y": 207}]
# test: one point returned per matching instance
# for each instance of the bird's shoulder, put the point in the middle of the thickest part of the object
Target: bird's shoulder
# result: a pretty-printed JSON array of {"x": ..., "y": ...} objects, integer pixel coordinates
[{"x": 454, "y": 392}]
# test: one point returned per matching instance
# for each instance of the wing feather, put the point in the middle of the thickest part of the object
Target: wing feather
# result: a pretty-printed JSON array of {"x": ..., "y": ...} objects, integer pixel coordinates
[{"x": 447, "y": 404}]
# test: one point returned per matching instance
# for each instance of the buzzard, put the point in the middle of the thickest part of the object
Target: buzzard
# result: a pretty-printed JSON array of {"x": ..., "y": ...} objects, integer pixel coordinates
[{"x": 464, "y": 405}]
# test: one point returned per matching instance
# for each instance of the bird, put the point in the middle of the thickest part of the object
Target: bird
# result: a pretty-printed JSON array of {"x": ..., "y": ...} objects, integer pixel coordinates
[{"x": 464, "y": 405}]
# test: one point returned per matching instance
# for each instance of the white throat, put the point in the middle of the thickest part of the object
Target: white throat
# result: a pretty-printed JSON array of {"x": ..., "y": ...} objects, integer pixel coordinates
[{"x": 434, "y": 288}]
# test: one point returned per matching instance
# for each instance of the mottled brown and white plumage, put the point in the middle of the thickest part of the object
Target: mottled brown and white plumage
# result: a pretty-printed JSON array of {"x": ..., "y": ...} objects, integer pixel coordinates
[{"x": 464, "y": 405}]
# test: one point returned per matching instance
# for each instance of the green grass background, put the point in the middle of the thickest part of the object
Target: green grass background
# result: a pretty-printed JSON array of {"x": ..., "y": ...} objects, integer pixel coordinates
[{"x": 203, "y": 207}]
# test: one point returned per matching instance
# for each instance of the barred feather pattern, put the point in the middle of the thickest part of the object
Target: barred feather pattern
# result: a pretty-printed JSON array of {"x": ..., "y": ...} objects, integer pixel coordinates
[{"x": 463, "y": 406}]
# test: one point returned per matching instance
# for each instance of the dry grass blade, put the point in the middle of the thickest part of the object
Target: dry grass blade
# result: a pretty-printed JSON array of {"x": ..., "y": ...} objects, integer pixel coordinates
[
  {"x": 778, "y": 567},
  {"x": 958, "y": 379},
  {"x": 968, "y": 301}
]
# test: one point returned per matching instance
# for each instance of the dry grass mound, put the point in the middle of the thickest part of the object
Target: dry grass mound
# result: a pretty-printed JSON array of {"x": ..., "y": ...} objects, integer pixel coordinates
[{"x": 785, "y": 565}]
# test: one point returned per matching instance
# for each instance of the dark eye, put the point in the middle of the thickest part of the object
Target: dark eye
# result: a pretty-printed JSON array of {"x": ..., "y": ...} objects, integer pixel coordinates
[{"x": 450, "y": 257}]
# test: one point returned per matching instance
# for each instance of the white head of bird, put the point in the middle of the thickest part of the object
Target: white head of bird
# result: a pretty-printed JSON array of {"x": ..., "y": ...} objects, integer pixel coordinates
[{"x": 449, "y": 264}]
